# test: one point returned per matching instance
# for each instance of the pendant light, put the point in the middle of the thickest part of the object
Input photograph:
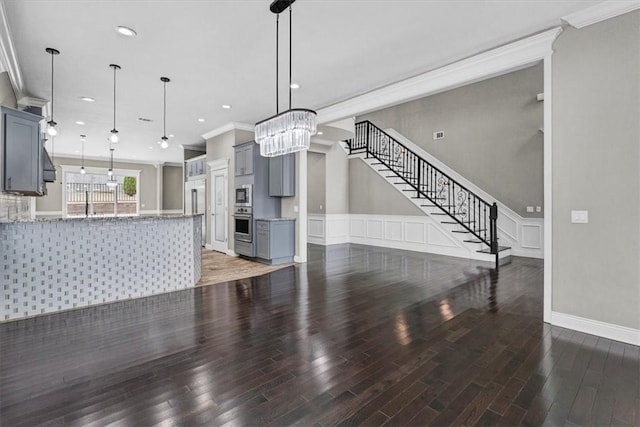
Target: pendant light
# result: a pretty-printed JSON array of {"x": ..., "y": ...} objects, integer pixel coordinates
[
  {"x": 51, "y": 124},
  {"x": 165, "y": 141},
  {"x": 82, "y": 140},
  {"x": 291, "y": 130},
  {"x": 111, "y": 183},
  {"x": 113, "y": 138}
]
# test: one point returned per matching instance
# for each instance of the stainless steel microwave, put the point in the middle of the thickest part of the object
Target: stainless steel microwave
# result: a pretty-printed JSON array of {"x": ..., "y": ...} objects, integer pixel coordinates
[{"x": 244, "y": 195}]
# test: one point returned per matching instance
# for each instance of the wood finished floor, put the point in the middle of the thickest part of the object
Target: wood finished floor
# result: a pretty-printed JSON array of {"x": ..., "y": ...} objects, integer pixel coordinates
[{"x": 357, "y": 336}]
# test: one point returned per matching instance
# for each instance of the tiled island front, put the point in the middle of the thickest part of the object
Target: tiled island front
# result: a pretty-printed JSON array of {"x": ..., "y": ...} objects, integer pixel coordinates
[{"x": 53, "y": 265}]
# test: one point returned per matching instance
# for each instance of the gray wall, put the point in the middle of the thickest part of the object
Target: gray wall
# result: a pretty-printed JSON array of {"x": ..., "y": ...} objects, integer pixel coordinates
[
  {"x": 172, "y": 188},
  {"x": 190, "y": 154},
  {"x": 316, "y": 178},
  {"x": 491, "y": 130},
  {"x": 148, "y": 183},
  {"x": 7, "y": 96},
  {"x": 596, "y": 164},
  {"x": 369, "y": 193},
  {"x": 337, "y": 174}
]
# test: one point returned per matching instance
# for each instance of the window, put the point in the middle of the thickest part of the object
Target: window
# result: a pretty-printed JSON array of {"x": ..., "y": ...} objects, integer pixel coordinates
[{"x": 89, "y": 195}]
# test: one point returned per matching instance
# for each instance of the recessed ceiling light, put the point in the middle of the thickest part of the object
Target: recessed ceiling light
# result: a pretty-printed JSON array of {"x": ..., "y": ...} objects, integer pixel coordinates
[
  {"x": 80, "y": 122},
  {"x": 150, "y": 148},
  {"x": 201, "y": 120},
  {"x": 87, "y": 99},
  {"x": 77, "y": 151},
  {"x": 171, "y": 136},
  {"x": 226, "y": 106},
  {"x": 295, "y": 86},
  {"x": 126, "y": 31},
  {"x": 319, "y": 133},
  {"x": 144, "y": 119}
]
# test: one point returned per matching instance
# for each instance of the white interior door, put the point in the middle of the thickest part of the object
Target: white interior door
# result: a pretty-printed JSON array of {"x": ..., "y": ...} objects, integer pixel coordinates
[{"x": 219, "y": 209}]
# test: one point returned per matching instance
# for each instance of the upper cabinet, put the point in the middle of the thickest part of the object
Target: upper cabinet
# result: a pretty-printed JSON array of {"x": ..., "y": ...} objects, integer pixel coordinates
[
  {"x": 282, "y": 175},
  {"x": 195, "y": 167},
  {"x": 23, "y": 155},
  {"x": 244, "y": 159}
]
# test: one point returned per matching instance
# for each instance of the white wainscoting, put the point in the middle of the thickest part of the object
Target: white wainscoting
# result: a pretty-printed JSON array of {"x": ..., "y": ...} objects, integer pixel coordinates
[
  {"x": 595, "y": 327},
  {"x": 327, "y": 229},
  {"x": 414, "y": 233}
]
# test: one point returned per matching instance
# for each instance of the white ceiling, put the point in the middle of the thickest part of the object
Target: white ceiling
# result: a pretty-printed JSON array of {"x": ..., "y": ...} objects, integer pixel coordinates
[{"x": 222, "y": 52}]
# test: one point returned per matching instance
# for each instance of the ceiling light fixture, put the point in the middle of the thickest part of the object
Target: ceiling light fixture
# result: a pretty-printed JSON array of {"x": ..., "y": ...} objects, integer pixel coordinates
[
  {"x": 201, "y": 120},
  {"x": 226, "y": 106},
  {"x": 126, "y": 31},
  {"x": 165, "y": 141},
  {"x": 51, "y": 128},
  {"x": 111, "y": 183},
  {"x": 291, "y": 130},
  {"x": 171, "y": 136},
  {"x": 87, "y": 99},
  {"x": 83, "y": 138},
  {"x": 294, "y": 86},
  {"x": 113, "y": 138},
  {"x": 80, "y": 122}
]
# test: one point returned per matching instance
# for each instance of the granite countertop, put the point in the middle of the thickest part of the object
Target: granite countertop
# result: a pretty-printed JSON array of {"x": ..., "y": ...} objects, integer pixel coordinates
[
  {"x": 98, "y": 218},
  {"x": 275, "y": 219}
]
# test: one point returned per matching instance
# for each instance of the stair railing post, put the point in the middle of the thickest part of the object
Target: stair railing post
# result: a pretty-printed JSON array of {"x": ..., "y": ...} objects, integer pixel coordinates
[
  {"x": 493, "y": 218},
  {"x": 367, "y": 139}
]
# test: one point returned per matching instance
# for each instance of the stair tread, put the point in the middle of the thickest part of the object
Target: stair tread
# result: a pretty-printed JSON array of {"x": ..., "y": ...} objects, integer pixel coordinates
[
  {"x": 488, "y": 250},
  {"x": 473, "y": 241}
]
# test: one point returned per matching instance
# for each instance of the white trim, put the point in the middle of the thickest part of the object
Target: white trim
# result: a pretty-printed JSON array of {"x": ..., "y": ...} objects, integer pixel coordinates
[
  {"x": 148, "y": 212},
  {"x": 172, "y": 212},
  {"x": 600, "y": 12},
  {"x": 100, "y": 170},
  {"x": 597, "y": 328},
  {"x": 48, "y": 213},
  {"x": 62, "y": 156},
  {"x": 231, "y": 252},
  {"x": 548, "y": 190},
  {"x": 219, "y": 164},
  {"x": 228, "y": 127},
  {"x": 219, "y": 170},
  {"x": 30, "y": 101},
  {"x": 327, "y": 229},
  {"x": 494, "y": 62},
  {"x": 8, "y": 56}
]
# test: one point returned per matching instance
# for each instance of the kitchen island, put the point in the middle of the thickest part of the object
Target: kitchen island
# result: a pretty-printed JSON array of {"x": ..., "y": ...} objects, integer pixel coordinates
[{"x": 59, "y": 264}]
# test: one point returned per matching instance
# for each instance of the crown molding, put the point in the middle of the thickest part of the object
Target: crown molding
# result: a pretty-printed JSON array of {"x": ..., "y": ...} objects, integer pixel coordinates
[
  {"x": 228, "y": 127},
  {"x": 492, "y": 63},
  {"x": 106, "y": 159},
  {"x": 30, "y": 101},
  {"x": 8, "y": 57},
  {"x": 600, "y": 12}
]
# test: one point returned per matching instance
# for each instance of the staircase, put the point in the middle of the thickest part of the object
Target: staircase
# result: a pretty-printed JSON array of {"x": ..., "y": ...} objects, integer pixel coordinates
[{"x": 461, "y": 211}]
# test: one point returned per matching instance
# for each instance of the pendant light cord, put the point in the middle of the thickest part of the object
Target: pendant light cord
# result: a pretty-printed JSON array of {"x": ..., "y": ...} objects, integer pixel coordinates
[
  {"x": 52, "y": 55},
  {"x": 277, "y": 63},
  {"x": 290, "y": 43},
  {"x": 114, "y": 97},
  {"x": 165, "y": 110}
]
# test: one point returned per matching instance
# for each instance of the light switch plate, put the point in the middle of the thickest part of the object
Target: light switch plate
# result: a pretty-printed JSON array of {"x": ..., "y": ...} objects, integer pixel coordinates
[
  {"x": 538, "y": 208},
  {"x": 529, "y": 209},
  {"x": 580, "y": 217}
]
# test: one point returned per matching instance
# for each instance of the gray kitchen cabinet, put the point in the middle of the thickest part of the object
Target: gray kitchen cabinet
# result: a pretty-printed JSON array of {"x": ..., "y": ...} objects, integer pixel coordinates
[
  {"x": 22, "y": 153},
  {"x": 196, "y": 167},
  {"x": 282, "y": 171},
  {"x": 275, "y": 240},
  {"x": 244, "y": 159}
]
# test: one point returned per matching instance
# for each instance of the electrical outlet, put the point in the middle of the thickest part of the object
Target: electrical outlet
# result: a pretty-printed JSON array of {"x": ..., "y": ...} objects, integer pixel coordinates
[
  {"x": 538, "y": 209},
  {"x": 295, "y": 208},
  {"x": 580, "y": 217},
  {"x": 320, "y": 207},
  {"x": 530, "y": 209},
  {"x": 438, "y": 134}
]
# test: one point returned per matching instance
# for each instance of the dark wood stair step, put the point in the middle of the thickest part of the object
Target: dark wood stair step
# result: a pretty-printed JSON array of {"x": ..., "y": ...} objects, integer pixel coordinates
[
  {"x": 473, "y": 241},
  {"x": 457, "y": 222}
]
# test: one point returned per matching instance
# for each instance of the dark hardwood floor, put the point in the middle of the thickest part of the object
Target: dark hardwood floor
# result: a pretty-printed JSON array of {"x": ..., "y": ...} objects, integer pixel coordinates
[{"x": 357, "y": 336}]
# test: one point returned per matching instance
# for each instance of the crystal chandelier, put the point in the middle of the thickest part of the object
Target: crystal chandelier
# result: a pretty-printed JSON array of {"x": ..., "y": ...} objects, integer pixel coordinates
[{"x": 291, "y": 130}]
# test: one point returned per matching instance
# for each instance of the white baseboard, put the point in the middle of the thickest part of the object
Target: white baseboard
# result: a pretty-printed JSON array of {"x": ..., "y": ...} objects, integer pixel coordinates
[
  {"x": 48, "y": 213},
  {"x": 231, "y": 252},
  {"x": 595, "y": 327}
]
